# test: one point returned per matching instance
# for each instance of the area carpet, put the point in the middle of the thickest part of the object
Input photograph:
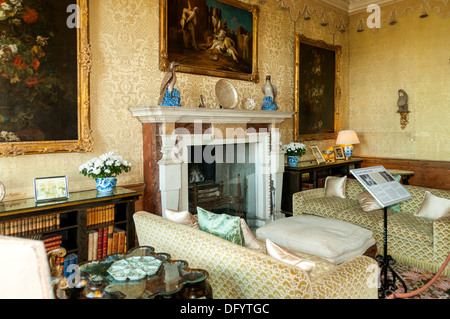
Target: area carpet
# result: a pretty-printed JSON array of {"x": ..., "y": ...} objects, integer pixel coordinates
[{"x": 415, "y": 278}]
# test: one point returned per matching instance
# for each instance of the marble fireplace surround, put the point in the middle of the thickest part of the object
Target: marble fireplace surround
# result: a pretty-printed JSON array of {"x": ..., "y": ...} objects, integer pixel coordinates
[{"x": 169, "y": 131}]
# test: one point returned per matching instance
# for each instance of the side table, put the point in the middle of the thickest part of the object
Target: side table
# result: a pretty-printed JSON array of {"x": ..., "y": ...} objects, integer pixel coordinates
[{"x": 173, "y": 279}]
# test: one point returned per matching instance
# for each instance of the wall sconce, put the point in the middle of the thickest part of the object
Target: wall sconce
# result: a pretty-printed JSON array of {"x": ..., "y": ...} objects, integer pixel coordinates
[
  {"x": 323, "y": 23},
  {"x": 403, "y": 110},
  {"x": 393, "y": 20},
  {"x": 424, "y": 14},
  {"x": 360, "y": 27},
  {"x": 347, "y": 139},
  {"x": 342, "y": 27},
  {"x": 307, "y": 16}
]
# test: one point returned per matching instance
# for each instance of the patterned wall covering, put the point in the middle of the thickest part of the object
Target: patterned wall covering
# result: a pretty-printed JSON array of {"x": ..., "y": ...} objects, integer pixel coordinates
[
  {"x": 125, "y": 49},
  {"x": 412, "y": 55}
]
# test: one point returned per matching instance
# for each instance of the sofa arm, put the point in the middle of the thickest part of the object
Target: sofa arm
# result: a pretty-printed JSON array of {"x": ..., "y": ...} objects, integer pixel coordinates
[
  {"x": 299, "y": 198},
  {"x": 356, "y": 278},
  {"x": 441, "y": 240}
]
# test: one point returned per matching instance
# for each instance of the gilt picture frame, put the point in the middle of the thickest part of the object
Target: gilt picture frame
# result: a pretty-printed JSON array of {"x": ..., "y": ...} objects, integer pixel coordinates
[
  {"x": 45, "y": 98},
  {"x": 316, "y": 89},
  {"x": 339, "y": 153},
  {"x": 318, "y": 154},
  {"x": 225, "y": 32}
]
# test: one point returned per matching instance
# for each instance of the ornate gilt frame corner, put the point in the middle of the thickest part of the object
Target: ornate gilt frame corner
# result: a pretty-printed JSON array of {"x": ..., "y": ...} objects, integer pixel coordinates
[
  {"x": 337, "y": 88},
  {"x": 164, "y": 62},
  {"x": 85, "y": 142}
]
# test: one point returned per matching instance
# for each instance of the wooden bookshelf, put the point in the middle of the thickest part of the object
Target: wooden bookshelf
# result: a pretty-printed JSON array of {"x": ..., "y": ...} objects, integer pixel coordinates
[{"x": 73, "y": 219}]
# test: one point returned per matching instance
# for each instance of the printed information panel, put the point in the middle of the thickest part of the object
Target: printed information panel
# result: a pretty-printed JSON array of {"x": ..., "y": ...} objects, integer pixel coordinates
[{"x": 386, "y": 190}]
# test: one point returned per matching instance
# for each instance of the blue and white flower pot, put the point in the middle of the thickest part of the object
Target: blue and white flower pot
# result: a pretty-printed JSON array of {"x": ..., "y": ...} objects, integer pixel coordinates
[
  {"x": 292, "y": 161},
  {"x": 106, "y": 185}
]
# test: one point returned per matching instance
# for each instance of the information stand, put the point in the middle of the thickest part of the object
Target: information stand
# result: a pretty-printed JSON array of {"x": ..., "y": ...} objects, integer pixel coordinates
[{"x": 387, "y": 191}]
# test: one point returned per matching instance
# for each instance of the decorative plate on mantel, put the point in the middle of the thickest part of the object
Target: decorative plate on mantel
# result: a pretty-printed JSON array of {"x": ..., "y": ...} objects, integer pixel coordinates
[{"x": 226, "y": 94}]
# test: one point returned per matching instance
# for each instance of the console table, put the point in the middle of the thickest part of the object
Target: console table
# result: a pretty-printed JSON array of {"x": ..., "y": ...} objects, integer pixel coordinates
[{"x": 295, "y": 181}]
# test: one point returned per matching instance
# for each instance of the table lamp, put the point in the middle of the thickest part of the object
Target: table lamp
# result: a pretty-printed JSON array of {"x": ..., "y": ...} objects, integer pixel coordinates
[{"x": 347, "y": 139}]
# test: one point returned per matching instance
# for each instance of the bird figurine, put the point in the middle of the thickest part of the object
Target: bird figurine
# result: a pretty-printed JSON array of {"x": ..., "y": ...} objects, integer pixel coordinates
[
  {"x": 167, "y": 91},
  {"x": 269, "y": 89},
  {"x": 270, "y": 93}
]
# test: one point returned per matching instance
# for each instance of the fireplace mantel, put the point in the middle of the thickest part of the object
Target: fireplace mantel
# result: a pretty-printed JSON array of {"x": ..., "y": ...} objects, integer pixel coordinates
[{"x": 163, "y": 114}]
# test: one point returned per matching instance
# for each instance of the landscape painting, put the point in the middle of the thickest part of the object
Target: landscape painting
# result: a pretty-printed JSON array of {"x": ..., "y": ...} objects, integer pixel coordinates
[{"x": 210, "y": 37}]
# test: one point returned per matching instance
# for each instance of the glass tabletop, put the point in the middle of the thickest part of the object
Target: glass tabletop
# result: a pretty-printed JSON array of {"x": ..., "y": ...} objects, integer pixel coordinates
[
  {"x": 139, "y": 274},
  {"x": 74, "y": 198}
]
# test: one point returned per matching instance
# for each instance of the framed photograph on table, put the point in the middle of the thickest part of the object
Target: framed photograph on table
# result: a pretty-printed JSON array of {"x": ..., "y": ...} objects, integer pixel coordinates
[
  {"x": 48, "y": 189},
  {"x": 316, "y": 89},
  {"x": 339, "y": 153},
  {"x": 45, "y": 64},
  {"x": 318, "y": 154},
  {"x": 210, "y": 37}
]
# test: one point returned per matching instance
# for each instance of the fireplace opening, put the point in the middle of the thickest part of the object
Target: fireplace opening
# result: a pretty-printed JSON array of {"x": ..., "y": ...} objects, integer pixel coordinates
[{"x": 221, "y": 179}]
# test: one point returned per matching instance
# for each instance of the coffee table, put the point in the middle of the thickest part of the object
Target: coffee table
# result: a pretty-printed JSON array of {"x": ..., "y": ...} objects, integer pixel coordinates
[{"x": 167, "y": 279}]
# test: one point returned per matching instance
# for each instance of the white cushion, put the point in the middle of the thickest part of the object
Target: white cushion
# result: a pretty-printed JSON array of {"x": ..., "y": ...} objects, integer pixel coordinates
[
  {"x": 331, "y": 239},
  {"x": 285, "y": 255},
  {"x": 335, "y": 186},
  {"x": 434, "y": 207}
]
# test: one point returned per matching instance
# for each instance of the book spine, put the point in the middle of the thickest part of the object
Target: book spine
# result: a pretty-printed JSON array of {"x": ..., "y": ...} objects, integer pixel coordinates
[
  {"x": 105, "y": 242},
  {"x": 110, "y": 240},
  {"x": 90, "y": 244},
  {"x": 121, "y": 242},
  {"x": 100, "y": 244},
  {"x": 95, "y": 245}
]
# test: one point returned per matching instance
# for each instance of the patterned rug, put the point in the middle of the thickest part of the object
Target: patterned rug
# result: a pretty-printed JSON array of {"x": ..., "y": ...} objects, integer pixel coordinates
[{"x": 415, "y": 278}]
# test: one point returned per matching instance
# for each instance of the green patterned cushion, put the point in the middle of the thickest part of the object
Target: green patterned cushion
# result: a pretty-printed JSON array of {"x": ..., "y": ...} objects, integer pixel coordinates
[{"x": 222, "y": 225}]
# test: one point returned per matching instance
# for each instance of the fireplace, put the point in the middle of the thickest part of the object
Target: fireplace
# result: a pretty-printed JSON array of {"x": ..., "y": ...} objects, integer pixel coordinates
[{"x": 230, "y": 145}]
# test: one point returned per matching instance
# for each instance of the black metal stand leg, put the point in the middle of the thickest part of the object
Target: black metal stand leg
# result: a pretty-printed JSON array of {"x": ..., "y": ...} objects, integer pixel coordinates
[{"x": 387, "y": 285}]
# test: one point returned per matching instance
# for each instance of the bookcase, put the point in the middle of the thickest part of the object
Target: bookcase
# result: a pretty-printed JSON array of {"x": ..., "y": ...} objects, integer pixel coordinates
[{"x": 73, "y": 223}]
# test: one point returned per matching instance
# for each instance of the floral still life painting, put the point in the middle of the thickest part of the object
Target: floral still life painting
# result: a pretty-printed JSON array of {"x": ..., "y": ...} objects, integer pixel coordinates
[{"x": 38, "y": 72}]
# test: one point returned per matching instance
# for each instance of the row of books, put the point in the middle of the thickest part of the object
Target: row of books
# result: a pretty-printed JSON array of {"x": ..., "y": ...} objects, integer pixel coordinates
[
  {"x": 27, "y": 226},
  {"x": 100, "y": 215},
  {"x": 105, "y": 241},
  {"x": 51, "y": 241}
]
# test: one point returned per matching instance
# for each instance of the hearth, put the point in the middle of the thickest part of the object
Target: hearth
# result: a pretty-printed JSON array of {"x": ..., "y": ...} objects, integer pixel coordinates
[{"x": 169, "y": 132}]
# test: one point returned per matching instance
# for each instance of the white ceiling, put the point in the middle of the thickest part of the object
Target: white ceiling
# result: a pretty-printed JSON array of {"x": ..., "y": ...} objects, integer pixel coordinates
[{"x": 352, "y": 6}]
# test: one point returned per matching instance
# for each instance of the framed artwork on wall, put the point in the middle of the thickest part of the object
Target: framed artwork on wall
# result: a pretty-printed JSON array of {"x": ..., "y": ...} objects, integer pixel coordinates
[
  {"x": 45, "y": 62},
  {"x": 317, "y": 91},
  {"x": 317, "y": 154},
  {"x": 210, "y": 37},
  {"x": 49, "y": 189}
]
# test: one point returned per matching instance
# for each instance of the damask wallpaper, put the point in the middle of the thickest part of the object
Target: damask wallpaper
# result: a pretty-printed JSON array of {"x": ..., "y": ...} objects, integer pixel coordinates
[{"x": 124, "y": 35}]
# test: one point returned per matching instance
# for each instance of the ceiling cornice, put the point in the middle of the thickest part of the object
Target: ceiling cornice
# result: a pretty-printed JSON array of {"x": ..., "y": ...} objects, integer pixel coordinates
[{"x": 356, "y": 6}]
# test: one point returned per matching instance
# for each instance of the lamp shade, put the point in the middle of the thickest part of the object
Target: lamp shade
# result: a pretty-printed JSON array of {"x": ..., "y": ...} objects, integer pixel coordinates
[{"x": 347, "y": 137}]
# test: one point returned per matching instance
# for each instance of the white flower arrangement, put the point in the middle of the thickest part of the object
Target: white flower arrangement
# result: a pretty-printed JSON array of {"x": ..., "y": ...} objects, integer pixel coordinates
[
  {"x": 294, "y": 149},
  {"x": 106, "y": 165}
]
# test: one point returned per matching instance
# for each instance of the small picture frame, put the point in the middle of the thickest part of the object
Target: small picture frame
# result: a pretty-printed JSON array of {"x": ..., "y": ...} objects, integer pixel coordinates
[
  {"x": 339, "y": 153},
  {"x": 48, "y": 189},
  {"x": 318, "y": 154}
]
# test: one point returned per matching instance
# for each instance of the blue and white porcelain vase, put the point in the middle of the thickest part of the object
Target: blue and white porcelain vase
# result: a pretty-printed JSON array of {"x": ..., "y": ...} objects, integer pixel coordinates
[
  {"x": 292, "y": 160},
  {"x": 106, "y": 185}
]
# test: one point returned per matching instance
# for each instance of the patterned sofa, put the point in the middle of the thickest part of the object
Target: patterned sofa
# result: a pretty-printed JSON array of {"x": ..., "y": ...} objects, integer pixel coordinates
[
  {"x": 237, "y": 272},
  {"x": 412, "y": 240}
]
